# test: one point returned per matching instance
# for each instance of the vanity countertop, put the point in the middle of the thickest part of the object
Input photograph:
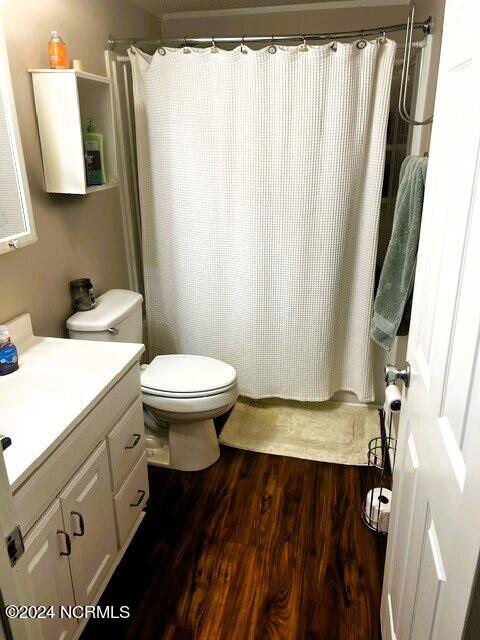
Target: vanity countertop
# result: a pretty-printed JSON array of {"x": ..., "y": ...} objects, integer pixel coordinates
[{"x": 59, "y": 381}]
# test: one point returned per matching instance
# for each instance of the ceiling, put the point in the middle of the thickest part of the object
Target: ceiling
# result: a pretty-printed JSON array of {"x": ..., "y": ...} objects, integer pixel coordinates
[{"x": 158, "y": 7}]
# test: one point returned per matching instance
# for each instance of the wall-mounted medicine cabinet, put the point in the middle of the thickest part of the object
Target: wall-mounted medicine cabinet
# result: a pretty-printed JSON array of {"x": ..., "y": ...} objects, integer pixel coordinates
[
  {"x": 17, "y": 227},
  {"x": 64, "y": 100}
]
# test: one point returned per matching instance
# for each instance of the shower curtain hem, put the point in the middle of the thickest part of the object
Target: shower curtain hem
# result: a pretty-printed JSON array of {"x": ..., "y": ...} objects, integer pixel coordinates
[{"x": 369, "y": 399}]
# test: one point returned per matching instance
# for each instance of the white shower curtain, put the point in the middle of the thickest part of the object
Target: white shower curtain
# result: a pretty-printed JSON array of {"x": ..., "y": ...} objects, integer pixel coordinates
[{"x": 260, "y": 182}]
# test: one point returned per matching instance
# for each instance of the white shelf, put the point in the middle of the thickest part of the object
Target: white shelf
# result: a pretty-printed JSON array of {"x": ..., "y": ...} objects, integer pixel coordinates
[
  {"x": 102, "y": 187},
  {"x": 64, "y": 100},
  {"x": 86, "y": 75}
]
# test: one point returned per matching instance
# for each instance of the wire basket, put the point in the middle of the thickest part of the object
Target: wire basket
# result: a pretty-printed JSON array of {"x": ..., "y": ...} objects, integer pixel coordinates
[{"x": 378, "y": 480}]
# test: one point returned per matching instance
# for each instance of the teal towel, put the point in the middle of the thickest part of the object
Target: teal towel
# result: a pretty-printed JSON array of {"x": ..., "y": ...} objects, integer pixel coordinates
[{"x": 396, "y": 279}]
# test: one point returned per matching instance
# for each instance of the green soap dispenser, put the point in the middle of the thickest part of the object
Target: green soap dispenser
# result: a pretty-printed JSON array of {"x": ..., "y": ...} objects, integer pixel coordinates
[{"x": 94, "y": 159}]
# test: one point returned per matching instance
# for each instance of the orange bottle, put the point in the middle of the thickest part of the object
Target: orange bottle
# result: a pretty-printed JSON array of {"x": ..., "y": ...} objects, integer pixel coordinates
[{"x": 57, "y": 52}]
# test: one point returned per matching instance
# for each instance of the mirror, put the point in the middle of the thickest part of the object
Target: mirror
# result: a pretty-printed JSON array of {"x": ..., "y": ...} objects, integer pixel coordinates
[{"x": 17, "y": 226}]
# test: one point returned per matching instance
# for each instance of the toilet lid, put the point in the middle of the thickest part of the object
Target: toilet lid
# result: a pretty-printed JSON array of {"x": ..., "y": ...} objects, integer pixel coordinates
[{"x": 185, "y": 374}]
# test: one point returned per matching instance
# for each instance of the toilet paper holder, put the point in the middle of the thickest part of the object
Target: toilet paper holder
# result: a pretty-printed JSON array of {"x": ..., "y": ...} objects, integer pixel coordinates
[{"x": 378, "y": 483}]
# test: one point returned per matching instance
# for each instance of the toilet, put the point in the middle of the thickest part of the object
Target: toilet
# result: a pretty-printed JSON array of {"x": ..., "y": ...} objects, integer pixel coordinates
[{"x": 182, "y": 394}]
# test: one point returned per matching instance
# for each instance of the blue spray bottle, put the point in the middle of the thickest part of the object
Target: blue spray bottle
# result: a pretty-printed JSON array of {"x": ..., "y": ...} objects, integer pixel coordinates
[{"x": 8, "y": 353}]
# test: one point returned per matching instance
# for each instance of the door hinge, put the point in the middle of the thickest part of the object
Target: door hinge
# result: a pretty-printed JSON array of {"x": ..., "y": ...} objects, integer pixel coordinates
[{"x": 15, "y": 546}]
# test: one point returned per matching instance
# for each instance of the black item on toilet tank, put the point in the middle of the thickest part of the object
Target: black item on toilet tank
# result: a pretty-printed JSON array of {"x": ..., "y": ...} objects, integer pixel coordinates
[{"x": 83, "y": 295}]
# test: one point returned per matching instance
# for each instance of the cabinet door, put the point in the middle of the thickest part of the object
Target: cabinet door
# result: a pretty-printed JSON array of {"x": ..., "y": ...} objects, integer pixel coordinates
[
  {"x": 87, "y": 508},
  {"x": 43, "y": 576}
]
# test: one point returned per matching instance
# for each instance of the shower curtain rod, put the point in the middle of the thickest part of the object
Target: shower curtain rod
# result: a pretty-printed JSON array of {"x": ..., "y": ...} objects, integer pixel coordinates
[{"x": 112, "y": 42}]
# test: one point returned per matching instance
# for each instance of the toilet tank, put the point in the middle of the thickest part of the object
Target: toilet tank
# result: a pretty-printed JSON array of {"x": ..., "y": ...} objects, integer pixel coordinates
[{"x": 117, "y": 317}]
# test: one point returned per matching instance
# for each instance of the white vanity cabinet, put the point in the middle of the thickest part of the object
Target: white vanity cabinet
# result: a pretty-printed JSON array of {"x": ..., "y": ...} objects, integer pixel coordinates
[
  {"x": 77, "y": 470},
  {"x": 74, "y": 548},
  {"x": 71, "y": 552}
]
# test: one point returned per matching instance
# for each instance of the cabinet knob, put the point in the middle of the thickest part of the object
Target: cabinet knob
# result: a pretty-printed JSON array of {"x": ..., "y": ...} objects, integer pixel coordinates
[
  {"x": 68, "y": 543},
  {"x": 136, "y": 440},
  {"x": 81, "y": 523},
  {"x": 141, "y": 493}
]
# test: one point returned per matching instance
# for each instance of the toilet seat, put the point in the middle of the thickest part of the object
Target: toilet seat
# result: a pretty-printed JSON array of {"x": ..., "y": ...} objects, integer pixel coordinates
[
  {"x": 185, "y": 376},
  {"x": 171, "y": 394}
]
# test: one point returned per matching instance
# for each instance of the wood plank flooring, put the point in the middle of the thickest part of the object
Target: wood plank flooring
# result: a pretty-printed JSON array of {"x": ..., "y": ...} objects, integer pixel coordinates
[{"x": 256, "y": 547}]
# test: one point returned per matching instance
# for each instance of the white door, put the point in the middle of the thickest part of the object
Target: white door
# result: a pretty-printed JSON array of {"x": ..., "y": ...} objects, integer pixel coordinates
[
  {"x": 87, "y": 508},
  {"x": 44, "y": 576},
  {"x": 434, "y": 538}
]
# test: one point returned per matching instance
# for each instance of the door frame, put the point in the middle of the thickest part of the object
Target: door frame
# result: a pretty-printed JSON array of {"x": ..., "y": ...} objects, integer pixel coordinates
[{"x": 13, "y": 628}]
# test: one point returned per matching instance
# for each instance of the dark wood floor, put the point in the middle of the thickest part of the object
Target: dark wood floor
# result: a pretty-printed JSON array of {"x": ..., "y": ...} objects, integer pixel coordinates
[{"x": 256, "y": 547}]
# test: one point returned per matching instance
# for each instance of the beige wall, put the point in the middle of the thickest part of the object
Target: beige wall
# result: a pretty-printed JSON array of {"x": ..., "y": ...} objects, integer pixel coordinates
[
  {"x": 78, "y": 235},
  {"x": 312, "y": 21},
  {"x": 436, "y": 9}
]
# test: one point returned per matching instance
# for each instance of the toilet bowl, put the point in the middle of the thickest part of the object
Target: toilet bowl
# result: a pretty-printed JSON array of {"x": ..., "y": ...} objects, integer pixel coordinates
[{"x": 182, "y": 394}]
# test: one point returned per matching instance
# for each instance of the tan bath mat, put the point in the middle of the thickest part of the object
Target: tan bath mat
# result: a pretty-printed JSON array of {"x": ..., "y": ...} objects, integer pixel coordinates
[{"x": 322, "y": 431}]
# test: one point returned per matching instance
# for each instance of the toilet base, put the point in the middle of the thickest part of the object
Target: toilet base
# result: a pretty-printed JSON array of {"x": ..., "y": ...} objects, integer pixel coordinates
[
  {"x": 156, "y": 446},
  {"x": 193, "y": 445}
]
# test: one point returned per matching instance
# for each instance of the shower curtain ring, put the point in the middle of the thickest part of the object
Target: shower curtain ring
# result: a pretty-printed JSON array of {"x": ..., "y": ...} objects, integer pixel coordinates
[
  {"x": 185, "y": 48},
  {"x": 362, "y": 43},
  {"x": 213, "y": 48},
  {"x": 161, "y": 49},
  {"x": 303, "y": 46},
  {"x": 383, "y": 37},
  {"x": 272, "y": 48},
  {"x": 243, "y": 48}
]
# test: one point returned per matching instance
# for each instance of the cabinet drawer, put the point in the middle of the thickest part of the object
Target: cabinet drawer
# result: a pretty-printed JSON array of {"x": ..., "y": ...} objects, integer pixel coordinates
[
  {"x": 126, "y": 443},
  {"x": 131, "y": 499}
]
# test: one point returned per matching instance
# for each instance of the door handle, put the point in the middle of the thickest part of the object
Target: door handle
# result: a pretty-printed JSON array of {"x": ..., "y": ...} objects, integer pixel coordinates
[
  {"x": 68, "y": 543},
  {"x": 393, "y": 373},
  {"x": 140, "y": 498},
  {"x": 81, "y": 523},
  {"x": 136, "y": 440}
]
